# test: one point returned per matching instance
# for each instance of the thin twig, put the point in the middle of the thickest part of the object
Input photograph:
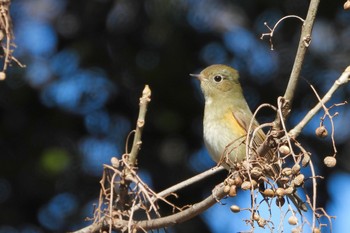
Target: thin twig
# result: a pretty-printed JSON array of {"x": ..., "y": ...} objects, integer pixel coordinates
[
  {"x": 344, "y": 78},
  {"x": 190, "y": 181},
  {"x": 272, "y": 30}
]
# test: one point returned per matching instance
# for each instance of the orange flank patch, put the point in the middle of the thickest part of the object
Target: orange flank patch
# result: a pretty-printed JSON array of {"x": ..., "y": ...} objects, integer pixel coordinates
[{"x": 233, "y": 124}]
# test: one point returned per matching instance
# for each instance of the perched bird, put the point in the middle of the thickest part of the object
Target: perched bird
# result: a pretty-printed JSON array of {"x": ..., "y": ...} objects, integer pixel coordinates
[{"x": 227, "y": 118}]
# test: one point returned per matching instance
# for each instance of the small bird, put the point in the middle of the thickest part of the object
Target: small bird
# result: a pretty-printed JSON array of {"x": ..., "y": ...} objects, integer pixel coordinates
[{"x": 227, "y": 118}]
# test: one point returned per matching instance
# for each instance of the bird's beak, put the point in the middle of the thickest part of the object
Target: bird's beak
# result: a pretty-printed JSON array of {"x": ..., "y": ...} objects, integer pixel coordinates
[{"x": 198, "y": 76}]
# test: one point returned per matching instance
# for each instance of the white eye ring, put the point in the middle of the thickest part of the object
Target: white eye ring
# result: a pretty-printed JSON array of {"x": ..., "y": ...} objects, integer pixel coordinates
[{"x": 218, "y": 78}]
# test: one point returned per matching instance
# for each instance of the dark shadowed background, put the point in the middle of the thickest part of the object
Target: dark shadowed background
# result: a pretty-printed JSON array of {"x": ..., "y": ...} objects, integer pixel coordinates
[{"x": 71, "y": 109}]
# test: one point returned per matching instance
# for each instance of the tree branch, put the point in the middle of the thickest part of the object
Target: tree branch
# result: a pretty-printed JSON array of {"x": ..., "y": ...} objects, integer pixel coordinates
[
  {"x": 136, "y": 146},
  {"x": 190, "y": 181},
  {"x": 304, "y": 43},
  {"x": 195, "y": 209},
  {"x": 217, "y": 194},
  {"x": 344, "y": 78}
]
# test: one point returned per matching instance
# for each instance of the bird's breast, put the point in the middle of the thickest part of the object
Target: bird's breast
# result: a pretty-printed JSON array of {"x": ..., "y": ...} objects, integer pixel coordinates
[{"x": 223, "y": 135}]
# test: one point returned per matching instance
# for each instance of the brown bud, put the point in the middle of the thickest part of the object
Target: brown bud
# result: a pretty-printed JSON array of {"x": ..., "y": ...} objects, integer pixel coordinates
[
  {"x": 262, "y": 222},
  {"x": 256, "y": 216},
  {"x": 298, "y": 180},
  {"x": 2, "y": 75},
  {"x": 280, "y": 201},
  {"x": 115, "y": 162},
  {"x": 347, "y": 5},
  {"x": 292, "y": 220},
  {"x": 286, "y": 171},
  {"x": 246, "y": 185},
  {"x": 269, "y": 193},
  {"x": 288, "y": 190},
  {"x": 316, "y": 230},
  {"x": 284, "y": 180},
  {"x": 306, "y": 160},
  {"x": 280, "y": 192},
  {"x": 296, "y": 169},
  {"x": 321, "y": 132},
  {"x": 230, "y": 181},
  {"x": 233, "y": 191},
  {"x": 330, "y": 161},
  {"x": 235, "y": 208},
  {"x": 227, "y": 188},
  {"x": 284, "y": 150},
  {"x": 238, "y": 181},
  {"x": 296, "y": 230}
]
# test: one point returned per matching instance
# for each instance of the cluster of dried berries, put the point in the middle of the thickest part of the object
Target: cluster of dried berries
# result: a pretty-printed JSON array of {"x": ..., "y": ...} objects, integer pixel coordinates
[
  {"x": 288, "y": 180},
  {"x": 321, "y": 132}
]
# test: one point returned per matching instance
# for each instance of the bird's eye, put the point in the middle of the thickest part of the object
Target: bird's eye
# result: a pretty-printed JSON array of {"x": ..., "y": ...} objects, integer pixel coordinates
[{"x": 218, "y": 78}]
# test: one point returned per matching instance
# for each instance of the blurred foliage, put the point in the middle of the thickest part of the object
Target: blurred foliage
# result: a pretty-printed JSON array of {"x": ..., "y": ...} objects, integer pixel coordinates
[{"x": 73, "y": 106}]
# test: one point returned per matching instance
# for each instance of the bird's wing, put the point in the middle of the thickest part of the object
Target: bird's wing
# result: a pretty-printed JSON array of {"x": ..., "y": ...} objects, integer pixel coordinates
[{"x": 244, "y": 118}]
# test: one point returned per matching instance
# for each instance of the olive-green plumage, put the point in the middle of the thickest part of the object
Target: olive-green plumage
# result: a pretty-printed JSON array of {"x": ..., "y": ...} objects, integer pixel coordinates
[
  {"x": 226, "y": 114},
  {"x": 227, "y": 118}
]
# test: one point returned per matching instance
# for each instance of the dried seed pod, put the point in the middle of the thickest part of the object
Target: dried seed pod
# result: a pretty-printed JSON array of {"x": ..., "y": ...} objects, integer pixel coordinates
[
  {"x": 233, "y": 191},
  {"x": 347, "y": 5},
  {"x": 292, "y": 220},
  {"x": 284, "y": 180},
  {"x": 330, "y": 161},
  {"x": 306, "y": 160},
  {"x": 254, "y": 184},
  {"x": 316, "y": 230},
  {"x": 298, "y": 180},
  {"x": 227, "y": 188},
  {"x": 288, "y": 190},
  {"x": 296, "y": 230},
  {"x": 230, "y": 181},
  {"x": 115, "y": 162},
  {"x": 296, "y": 169},
  {"x": 235, "y": 208},
  {"x": 280, "y": 201},
  {"x": 256, "y": 172},
  {"x": 262, "y": 222},
  {"x": 321, "y": 132},
  {"x": 284, "y": 150},
  {"x": 2, "y": 75},
  {"x": 287, "y": 171},
  {"x": 269, "y": 193},
  {"x": 238, "y": 181},
  {"x": 256, "y": 216},
  {"x": 280, "y": 192},
  {"x": 246, "y": 185}
]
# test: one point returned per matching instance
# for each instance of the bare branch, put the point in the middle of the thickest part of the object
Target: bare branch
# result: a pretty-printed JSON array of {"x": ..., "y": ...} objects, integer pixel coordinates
[
  {"x": 217, "y": 194},
  {"x": 344, "y": 78},
  {"x": 304, "y": 43},
  {"x": 144, "y": 100},
  {"x": 190, "y": 181}
]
